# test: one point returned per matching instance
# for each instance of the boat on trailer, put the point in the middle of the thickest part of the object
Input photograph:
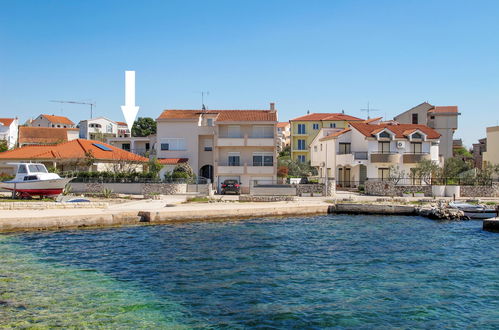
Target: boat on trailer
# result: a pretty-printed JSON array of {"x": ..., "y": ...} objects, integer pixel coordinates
[
  {"x": 33, "y": 179},
  {"x": 474, "y": 211}
]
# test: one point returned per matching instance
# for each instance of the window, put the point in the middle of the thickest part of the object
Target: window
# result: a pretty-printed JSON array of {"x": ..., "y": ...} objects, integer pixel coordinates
[
  {"x": 22, "y": 169},
  {"x": 301, "y": 144},
  {"x": 301, "y": 129},
  {"x": 234, "y": 131},
  {"x": 36, "y": 168},
  {"x": 209, "y": 122},
  {"x": 263, "y": 132},
  {"x": 384, "y": 147},
  {"x": 109, "y": 128},
  {"x": 415, "y": 118},
  {"x": 384, "y": 135},
  {"x": 416, "y": 147},
  {"x": 208, "y": 145},
  {"x": 315, "y": 148},
  {"x": 417, "y": 136},
  {"x": 148, "y": 146},
  {"x": 301, "y": 158},
  {"x": 315, "y": 126},
  {"x": 234, "y": 159},
  {"x": 173, "y": 144},
  {"x": 125, "y": 146},
  {"x": 383, "y": 174},
  {"x": 332, "y": 125},
  {"x": 321, "y": 146},
  {"x": 432, "y": 117},
  {"x": 263, "y": 159},
  {"x": 344, "y": 148}
]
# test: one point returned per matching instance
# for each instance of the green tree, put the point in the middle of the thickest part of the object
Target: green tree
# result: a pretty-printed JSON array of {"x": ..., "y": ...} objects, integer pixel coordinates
[
  {"x": 286, "y": 152},
  {"x": 154, "y": 167},
  {"x": 183, "y": 171},
  {"x": 144, "y": 126},
  {"x": 425, "y": 170},
  {"x": 3, "y": 146},
  {"x": 453, "y": 167}
]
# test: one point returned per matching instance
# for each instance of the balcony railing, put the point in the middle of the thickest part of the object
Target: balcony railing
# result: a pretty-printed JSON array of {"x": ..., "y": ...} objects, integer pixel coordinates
[
  {"x": 360, "y": 155},
  {"x": 413, "y": 158},
  {"x": 385, "y": 157}
]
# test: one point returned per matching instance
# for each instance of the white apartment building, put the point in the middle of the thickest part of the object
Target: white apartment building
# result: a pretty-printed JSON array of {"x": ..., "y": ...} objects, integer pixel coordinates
[
  {"x": 367, "y": 150},
  {"x": 9, "y": 131},
  {"x": 284, "y": 135},
  {"x": 443, "y": 119},
  {"x": 91, "y": 129},
  {"x": 221, "y": 144}
]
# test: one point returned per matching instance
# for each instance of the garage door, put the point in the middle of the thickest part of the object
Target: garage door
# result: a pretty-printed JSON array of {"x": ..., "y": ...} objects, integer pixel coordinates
[{"x": 221, "y": 179}]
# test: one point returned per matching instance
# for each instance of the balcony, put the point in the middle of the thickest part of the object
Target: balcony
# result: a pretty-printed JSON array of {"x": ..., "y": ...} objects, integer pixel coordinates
[
  {"x": 260, "y": 141},
  {"x": 259, "y": 169},
  {"x": 231, "y": 141},
  {"x": 344, "y": 159},
  {"x": 230, "y": 168},
  {"x": 385, "y": 157},
  {"x": 360, "y": 155},
  {"x": 413, "y": 158}
]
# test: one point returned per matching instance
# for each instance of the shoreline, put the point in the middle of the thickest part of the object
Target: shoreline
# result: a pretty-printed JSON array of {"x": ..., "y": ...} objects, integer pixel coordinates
[{"x": 152, "y": 212}]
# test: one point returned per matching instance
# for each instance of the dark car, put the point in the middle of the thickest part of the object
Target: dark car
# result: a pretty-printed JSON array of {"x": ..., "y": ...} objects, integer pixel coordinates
[{"x": 231, "y": 186}]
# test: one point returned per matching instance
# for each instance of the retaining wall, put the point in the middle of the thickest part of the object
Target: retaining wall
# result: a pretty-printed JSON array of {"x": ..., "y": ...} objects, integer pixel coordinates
[
  {"x": 378, "y": 188},
  {"x": 48, "y": 205},
  {"x": 140, "y": 188}
]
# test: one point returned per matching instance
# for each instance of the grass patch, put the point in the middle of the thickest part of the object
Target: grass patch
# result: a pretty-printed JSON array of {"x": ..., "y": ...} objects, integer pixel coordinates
[{"x": 197, "y": 200}]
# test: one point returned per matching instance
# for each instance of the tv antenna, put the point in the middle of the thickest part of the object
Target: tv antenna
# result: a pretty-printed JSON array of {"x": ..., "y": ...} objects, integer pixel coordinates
[
  {"x": 207, "y": 93},
  {"x": 91, "y": 104},
  {"x": 369, "y": 110}
]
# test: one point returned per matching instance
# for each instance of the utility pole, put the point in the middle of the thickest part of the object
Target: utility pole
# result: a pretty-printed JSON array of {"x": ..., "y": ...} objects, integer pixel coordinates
[
  {"x": 91, "y": 104},
  {"x": 369, "y": 110}
]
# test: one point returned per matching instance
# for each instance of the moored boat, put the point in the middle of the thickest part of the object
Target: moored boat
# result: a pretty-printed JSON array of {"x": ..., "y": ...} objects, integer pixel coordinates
[
  {"x": 33, "y": 179},
  {"x": 474, "y": 211}
]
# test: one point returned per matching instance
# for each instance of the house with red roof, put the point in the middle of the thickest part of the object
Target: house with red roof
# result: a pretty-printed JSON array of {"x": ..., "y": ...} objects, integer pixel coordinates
[
  {"x": 368, "y": 150},
  {"x": 52, "y": 121},
  {"x": 9, "y": 131},
  {"x": 79, "y": 154},
  {"x": 304, "y": 129},
  {"x": 284, "y": 135},
  {"x": 221, "y": 144},
  {"x": 45, "y": 135},
  {"x": 443, "y": 119}
]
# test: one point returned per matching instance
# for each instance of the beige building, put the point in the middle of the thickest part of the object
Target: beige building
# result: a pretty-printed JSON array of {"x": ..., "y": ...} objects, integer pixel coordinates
[
  {"x": 491, "y": 156},
  {"x": 221, "y": 144},
  {"x": 283, "y": 135},
  {"x": 443, "y": 119},
  {"x": 51, "y": 121}
]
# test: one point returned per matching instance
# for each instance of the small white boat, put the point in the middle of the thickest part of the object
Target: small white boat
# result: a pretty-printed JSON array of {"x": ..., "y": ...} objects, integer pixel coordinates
[
  {"x": 33, "y": 179},
  {"x": 474, "y": 211}
]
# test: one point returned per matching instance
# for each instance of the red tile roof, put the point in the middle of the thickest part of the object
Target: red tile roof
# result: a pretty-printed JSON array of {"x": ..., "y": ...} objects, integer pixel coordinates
[
  {"x": 121, "y": 123},
  {"x": 222, "y": 115},
  {"x": 172, "y": 161},
  {"x": 58, "y": 119},
  {"x": 283, "y": 124},
  {"x": 335, "y": 134},
  {"x": 400, "y": 130},
  {"x": 372, "y": 120},
  {"x": 42, "y": 135},
  {"x": 444, "y": 109},
  {"x": 76, "y": 149},
  {"x": 326, "y": 116},
  {"x": 6, "y": 121}
]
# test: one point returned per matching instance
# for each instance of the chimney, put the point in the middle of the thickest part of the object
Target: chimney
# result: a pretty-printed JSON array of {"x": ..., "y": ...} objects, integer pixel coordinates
[{"x": 272, "y": 107}]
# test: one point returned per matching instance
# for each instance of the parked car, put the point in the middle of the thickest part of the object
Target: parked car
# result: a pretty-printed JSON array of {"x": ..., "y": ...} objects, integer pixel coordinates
[{"x": 231, "y": 186}]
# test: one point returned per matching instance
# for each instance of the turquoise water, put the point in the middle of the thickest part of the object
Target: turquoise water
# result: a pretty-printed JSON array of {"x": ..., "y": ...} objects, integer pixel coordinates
[{"x": 314, "y": 272}]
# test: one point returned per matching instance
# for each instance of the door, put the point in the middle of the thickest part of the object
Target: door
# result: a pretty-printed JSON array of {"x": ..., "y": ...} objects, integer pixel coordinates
[
  {"x": 347, "y": 177},
  {"x": 362, "y": 174}
]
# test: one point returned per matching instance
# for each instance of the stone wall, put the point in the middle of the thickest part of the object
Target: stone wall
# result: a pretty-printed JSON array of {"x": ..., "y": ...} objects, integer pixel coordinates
[
  {"x": 309, "y": 189},
  {"x": 377, "y": 188},
  {"x": 480, "y": 191},
  {"x": 51, "y": 205},
  {"x": 135, "y": 188},
  {"x": 386, "y": 188}
]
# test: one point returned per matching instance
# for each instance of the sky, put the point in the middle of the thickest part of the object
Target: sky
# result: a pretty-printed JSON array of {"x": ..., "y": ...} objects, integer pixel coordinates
[{"x": 310, "y": 55}]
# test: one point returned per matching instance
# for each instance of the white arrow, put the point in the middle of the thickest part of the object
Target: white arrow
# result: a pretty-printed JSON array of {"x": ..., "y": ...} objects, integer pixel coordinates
[{"x": 130, "y": 110}]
